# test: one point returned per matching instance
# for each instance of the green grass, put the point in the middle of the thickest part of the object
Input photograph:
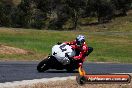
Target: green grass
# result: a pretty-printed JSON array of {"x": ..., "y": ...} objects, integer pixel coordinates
[
  {"x": 119, "y": 24},
  {"x": 108, "y": 46},
  {"x": 112, "y": 42},
  {"x": 112, "y": 48},
  {"x": 39, "y": 42}
]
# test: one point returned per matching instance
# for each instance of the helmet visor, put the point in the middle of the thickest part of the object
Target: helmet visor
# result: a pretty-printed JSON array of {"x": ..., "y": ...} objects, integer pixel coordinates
[{"x": 80, "y": 42}]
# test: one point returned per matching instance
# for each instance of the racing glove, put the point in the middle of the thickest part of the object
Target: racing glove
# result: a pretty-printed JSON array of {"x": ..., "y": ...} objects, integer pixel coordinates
[{"x": 59, "y": 43}]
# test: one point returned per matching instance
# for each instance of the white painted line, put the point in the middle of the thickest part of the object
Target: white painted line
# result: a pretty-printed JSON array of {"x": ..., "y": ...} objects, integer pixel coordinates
[{"x": 16, "y": 84}]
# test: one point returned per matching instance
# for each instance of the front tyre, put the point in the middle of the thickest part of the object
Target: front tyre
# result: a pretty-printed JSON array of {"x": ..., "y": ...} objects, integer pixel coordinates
[{"x": 43, "y": 65}]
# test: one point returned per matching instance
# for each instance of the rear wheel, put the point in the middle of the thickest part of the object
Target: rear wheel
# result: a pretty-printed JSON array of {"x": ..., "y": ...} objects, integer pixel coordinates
[
  {"x": 43, "y": 65},
  {"x": 70, "y": 68}
]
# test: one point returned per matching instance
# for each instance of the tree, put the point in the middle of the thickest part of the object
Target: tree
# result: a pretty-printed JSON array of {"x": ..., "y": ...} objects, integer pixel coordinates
[
  {"x": 38, "y": 19},
  {"x": 21, "y": 14},
  {"x": 5, "y": 11},
  {"x": 122, "y": 5},
  {"x": 58, "y": 14},
  {"x": 75, "y": 7},
  {"x": 104, "y": 11},
  {"x": 27, "y": 14}
]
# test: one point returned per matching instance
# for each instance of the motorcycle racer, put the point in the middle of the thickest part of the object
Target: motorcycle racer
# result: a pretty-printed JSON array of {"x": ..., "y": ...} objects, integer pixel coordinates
[
  {"x": 81, "y": 48},
  {"x": 66, "y": 55}
]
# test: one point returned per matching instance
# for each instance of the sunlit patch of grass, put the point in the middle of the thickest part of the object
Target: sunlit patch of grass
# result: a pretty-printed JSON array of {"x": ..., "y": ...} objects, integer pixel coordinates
[{"x": 119, "y": 24}]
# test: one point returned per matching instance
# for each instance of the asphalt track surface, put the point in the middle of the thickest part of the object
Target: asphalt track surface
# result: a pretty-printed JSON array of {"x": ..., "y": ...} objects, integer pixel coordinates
[{"x": 18, "y": 71}]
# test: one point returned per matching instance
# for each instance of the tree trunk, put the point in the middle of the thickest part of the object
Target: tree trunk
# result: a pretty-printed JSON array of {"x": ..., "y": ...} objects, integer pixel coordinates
[{"x": 75, "y": 20}]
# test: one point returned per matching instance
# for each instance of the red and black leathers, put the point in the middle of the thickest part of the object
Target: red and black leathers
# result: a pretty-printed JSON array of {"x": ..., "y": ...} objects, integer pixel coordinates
[{"x": 80, "y": 50}]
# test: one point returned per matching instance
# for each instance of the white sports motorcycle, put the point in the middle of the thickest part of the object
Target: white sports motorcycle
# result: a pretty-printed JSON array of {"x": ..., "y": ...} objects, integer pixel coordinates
[{"x": 60, "y": 59}]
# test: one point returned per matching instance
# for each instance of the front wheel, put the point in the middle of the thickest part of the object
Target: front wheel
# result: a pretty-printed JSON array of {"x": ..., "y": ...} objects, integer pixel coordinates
[{"x": 43, "y": 65}]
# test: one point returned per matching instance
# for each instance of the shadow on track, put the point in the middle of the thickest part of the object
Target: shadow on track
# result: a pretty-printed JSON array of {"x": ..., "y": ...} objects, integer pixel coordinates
[{"x": 60, "y": 72}]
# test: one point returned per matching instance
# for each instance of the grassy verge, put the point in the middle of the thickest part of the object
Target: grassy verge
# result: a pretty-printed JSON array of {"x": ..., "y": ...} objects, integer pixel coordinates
[
  {"x": 108, "y": 46},
  {"x": 119, "y": 24}
]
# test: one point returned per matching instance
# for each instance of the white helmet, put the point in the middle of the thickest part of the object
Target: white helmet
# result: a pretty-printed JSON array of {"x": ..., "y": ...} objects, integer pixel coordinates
[{"x": 80, "y": 40}]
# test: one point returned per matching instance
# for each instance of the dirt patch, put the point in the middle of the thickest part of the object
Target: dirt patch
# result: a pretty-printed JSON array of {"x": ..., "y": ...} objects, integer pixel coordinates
[
  {"x": 12, "y": 50},
  {"x": 73, "y": 84}
]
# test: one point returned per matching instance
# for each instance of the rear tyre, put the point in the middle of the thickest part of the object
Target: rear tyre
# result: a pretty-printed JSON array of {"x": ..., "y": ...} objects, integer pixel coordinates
[
  {"x": 69, "y": 70},
  {"x": 43, "y": 65}
]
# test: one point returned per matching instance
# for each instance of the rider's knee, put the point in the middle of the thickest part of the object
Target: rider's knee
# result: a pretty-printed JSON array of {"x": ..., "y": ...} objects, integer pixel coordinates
[{"x": 90, "y": 49}]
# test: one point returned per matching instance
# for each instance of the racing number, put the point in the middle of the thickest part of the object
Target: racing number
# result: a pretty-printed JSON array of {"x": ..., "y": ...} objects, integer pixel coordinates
[{"x": 62, "y": 47}]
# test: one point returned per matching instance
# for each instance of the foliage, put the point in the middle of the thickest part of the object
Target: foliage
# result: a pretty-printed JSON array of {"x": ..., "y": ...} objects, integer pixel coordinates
[
  {"x": 5, "y": 11},
  {"x": 122, "y": 5},
  {"x": 54, "y": 14}
]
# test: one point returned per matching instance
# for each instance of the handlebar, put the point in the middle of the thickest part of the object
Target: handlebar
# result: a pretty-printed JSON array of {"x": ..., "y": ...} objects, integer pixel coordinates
[{"x": 70, "y": 58}]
